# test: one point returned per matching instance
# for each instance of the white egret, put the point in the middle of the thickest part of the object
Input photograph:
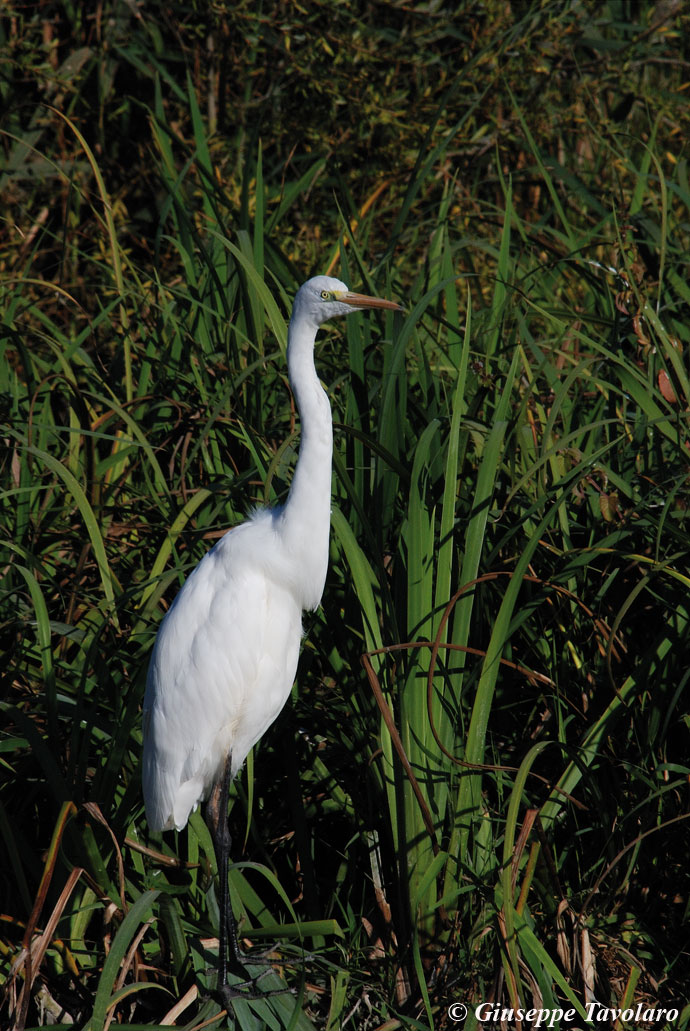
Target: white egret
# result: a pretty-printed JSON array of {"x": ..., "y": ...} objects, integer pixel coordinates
[{"x": 225, "y": 656}]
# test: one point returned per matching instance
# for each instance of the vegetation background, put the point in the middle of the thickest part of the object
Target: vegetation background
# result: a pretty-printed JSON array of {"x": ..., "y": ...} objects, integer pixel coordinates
[{"x": 492, "y": 805}]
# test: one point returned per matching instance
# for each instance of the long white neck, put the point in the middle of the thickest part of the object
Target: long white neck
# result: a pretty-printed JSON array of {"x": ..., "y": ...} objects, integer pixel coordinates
[{"x": 305, "y": 520}]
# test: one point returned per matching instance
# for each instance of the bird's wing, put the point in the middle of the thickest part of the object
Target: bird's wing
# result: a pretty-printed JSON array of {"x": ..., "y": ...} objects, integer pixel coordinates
[{"x": 222, "y": 668}]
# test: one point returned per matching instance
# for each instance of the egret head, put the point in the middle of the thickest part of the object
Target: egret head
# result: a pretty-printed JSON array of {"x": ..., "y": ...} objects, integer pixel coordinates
[{"x": 323, "y": 298}]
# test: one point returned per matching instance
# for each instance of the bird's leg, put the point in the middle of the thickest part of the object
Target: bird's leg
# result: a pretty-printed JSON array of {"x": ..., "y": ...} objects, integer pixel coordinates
[{"x": 216, "y": 816}]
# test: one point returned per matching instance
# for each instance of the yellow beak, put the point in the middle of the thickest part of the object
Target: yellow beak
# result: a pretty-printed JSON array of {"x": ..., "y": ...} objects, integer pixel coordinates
[{"x": 364, "y": 301}]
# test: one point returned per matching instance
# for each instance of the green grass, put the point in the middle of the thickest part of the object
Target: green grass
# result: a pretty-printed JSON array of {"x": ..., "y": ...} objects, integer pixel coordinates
[{"x": 479, "y": 790}]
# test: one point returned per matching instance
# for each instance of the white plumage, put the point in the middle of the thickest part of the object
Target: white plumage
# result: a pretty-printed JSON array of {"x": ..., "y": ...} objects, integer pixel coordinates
[
  {"x": 212, "y": 691},
  {"x": 226, "y": 652}
]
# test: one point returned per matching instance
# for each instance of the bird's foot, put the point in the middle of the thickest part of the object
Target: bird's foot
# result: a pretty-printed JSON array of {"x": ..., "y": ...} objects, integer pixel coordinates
[
  {"x": 248, "y": 990},
  {"x": 275, "y": 955},
  {"x": 267, "y": 955}
]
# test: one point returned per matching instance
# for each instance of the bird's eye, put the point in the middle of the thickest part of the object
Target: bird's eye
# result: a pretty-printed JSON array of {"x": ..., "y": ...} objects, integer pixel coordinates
[{"x": 326, "y": 295}]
